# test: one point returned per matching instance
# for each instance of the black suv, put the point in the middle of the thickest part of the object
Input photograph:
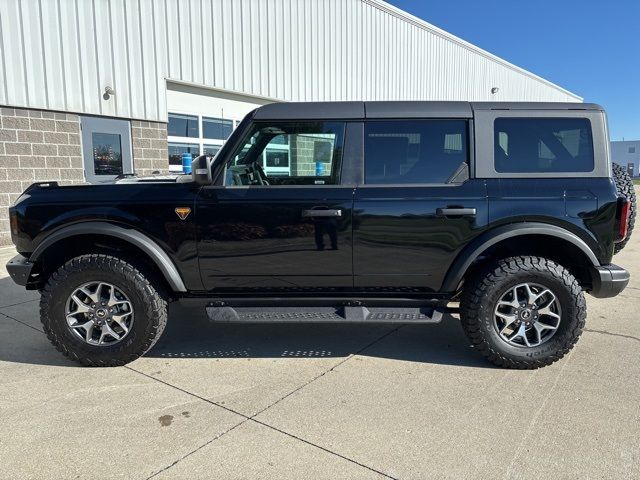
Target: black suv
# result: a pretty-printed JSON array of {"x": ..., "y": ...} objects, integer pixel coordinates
[{"x": 352, "y": 211}]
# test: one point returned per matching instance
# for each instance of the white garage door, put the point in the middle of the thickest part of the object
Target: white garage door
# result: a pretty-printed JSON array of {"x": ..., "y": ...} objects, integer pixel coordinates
[{"x": 201, "y": 119}]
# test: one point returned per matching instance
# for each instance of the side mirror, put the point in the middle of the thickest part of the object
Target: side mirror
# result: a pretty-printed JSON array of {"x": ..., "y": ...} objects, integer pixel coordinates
[{"x": 201, "y": 169}]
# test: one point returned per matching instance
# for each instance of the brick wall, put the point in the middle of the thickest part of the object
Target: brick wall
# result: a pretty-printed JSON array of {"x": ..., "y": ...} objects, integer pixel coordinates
[
  {"x": 149, "y": 141},
  {"x": 35, "y": 145}
]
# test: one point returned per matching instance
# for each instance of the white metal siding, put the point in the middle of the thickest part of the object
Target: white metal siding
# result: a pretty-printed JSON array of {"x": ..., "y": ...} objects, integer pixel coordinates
[{"x": 61, "y": 54}]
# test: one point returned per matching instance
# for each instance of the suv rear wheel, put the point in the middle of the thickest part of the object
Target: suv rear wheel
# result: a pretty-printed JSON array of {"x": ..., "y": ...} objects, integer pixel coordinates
[
  {"x": 102, "y": 311},
  {"x": 523, "y": 312}
]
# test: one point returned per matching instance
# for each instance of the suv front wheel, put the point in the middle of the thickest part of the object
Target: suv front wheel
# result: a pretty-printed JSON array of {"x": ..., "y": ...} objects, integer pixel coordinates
[
  {"x": 101, "y": 311},
  {"x": 523, "y": 312}
]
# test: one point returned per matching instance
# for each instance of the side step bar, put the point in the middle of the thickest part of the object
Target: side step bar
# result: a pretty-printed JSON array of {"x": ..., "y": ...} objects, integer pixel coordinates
[{"x": 226, "y": 314}]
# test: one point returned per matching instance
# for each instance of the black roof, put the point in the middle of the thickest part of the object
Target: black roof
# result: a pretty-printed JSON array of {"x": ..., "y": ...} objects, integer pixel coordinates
[{"x": 400, "y": 109}]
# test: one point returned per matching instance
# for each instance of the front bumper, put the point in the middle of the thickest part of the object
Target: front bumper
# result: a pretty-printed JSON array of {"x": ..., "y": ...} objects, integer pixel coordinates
[
  {"x": 608, "y": 281},
  {"x": 20, "y": 269}
]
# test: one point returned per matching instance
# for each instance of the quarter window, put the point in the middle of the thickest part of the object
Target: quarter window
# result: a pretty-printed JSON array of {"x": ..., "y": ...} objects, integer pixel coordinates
[
  {"x": 415, "y": 151},
  {"x": 297, "y": 153},
  {"x": 543, "y": 145}
]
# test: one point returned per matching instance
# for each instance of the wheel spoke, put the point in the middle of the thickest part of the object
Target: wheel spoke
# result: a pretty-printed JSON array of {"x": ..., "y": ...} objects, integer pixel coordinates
[
  {"x": 107, "y": 330},
  {"x": 121, "y": 321},
  {"x": 522, "y": 333},
  {"x": 92, "y": 296},
  {"x": 81, "y": 306}
]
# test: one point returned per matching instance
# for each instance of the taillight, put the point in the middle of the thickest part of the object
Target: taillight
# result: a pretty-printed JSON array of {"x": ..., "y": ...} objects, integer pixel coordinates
[
  {"x": 13, "y": 221},
  {"x": 623, "y": 222}
]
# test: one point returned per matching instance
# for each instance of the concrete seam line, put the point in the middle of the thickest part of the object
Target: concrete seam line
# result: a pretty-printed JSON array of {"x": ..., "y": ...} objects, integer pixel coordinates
[
  {"x": 19, "y": 303},
  {"x": 621, "y": 335},
  {"x": 349, "y": 357},
  {"x": 197, "y": 449},
  {"x": 21, "y": 322},
  {"x": 276, "y": 429}
]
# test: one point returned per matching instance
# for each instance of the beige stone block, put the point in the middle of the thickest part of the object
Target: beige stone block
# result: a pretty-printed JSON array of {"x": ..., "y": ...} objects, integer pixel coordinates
[
  {"x": 8, "y": 135},
  {"x": 10, "y": 186},
  {"x": 35, "y": 113},
  {"x": 68, "y": 150},
  {"x": 56, "y": 137},
  {"x": 74, "y": 139},
  {"x": 7, "y": 112},
  {"x": 58, "y": 162},
  {"x": 21, "y": 174},
  {"x": 12, "y": 148},
  {"x": 16, "y": 123},
  {"x": 43, "y": 124},
  {"x": 65, "y": 126},
  {"x": 72, "y": 174},
  {"x": 32, "y": 162},
  {"x": 30, "y": 136}
]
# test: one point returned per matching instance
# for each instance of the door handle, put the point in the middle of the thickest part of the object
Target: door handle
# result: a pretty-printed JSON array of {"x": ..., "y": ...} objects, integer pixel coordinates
[
  {"x": 318, "y": 212},
  {"x": 455, "y": 212}
]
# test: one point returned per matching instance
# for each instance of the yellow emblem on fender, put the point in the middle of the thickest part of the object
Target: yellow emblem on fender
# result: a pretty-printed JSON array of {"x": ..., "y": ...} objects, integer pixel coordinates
[{"x": 183, "y": 212}]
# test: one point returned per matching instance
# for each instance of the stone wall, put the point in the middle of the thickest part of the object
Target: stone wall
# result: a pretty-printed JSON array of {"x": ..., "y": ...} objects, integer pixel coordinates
[
  {"x": 149, "y": 141},
  {"x": 35, "y": 146}
]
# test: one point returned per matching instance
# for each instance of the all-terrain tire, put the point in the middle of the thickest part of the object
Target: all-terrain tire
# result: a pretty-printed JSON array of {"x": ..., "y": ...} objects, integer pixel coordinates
[
  {"x": 625, "y": 187},
  {"x": 482, "y": 292},
  {"x": 149, "y": 309}
]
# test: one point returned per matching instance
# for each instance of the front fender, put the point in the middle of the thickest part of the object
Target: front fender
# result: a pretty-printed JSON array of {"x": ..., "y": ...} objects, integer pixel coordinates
[{"x": 130, "y": 235}]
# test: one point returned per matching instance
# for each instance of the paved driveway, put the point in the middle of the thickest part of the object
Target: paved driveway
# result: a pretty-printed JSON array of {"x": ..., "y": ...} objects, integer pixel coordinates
[{"x": 321, "y": 401}]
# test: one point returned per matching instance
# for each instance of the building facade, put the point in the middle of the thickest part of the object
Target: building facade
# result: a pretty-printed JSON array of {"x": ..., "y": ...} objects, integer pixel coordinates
[
  {"x": 627, "y": 154},
  {"x": 93, "y": 89}
]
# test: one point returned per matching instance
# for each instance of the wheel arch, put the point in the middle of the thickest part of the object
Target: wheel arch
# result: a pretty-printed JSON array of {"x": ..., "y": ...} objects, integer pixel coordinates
[
  {"x": 141, "y": 242},
  {"x": 525, "y": 238}
]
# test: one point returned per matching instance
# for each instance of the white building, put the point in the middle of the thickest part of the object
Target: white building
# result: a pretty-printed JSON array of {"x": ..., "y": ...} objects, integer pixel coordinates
[
  {"x": 627, "y": 154},
  {"x": 152, "y": 79}
]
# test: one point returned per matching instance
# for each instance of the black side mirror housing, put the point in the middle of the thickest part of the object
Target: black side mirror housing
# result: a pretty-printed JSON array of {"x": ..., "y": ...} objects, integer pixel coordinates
[{"x": 201, "y": 170}]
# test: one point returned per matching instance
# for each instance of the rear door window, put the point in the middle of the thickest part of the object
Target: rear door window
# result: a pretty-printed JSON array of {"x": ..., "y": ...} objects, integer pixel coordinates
[
  {"x": 415, "y": 151},
  {"x": 543, "y": 145}
]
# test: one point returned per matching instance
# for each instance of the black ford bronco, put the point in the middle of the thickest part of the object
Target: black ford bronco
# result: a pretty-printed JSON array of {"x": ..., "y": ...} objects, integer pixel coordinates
[{"x": 344, "y": 212}]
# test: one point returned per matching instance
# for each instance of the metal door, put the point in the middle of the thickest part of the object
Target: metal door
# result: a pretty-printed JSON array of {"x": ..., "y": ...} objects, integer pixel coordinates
[{"x": 106, "y": 148}]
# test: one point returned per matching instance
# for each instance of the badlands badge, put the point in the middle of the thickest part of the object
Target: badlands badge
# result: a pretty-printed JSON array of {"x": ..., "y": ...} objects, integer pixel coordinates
[{"x": 183, "y": 212}]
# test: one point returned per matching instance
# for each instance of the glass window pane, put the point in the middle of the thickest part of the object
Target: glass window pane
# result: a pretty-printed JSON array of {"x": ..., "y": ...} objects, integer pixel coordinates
[
  {"x": 175, "y": 154},
  {"x": 183, "y": 126},
  {"x": 107, "y": 153},
  {"x": 211, "y": 149},
  {"x": 538, "y": 145},
  {"x": 216, "y": 128},
  {"x": 414, "y": 151},
  {"x": 290, "y": 153}
]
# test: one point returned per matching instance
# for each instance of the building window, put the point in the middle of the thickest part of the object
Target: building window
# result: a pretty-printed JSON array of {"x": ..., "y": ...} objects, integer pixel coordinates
[
  {"x": 183, "y": 126},
  {"x": 216, "y": 128},
  {"x": 197, "y": 135},
  {"x": 176, "y": 150},
  {"x": 632, "y": 149}
]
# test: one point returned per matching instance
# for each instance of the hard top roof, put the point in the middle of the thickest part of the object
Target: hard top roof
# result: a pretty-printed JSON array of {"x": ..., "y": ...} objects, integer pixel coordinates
[{"x": 400, "y": 109}]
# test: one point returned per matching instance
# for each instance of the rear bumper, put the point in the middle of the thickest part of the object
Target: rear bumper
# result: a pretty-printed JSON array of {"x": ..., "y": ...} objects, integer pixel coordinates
[
  {"x": 608, "y": 281},
  {"x": 20, "y": 269}
]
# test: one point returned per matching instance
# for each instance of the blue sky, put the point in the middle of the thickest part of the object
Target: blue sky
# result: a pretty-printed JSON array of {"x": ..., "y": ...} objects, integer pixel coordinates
[{"x": 589, "y": 47}]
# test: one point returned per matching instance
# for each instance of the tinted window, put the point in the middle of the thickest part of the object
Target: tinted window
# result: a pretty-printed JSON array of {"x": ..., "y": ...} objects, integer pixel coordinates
[
  {"x": 183, "y": 126},
  {"x": 535, "y": 145},
  {"x": 415, "y": 151},
  {"x": 299, "y": 153},
  {"x": 216, "y": 128}
]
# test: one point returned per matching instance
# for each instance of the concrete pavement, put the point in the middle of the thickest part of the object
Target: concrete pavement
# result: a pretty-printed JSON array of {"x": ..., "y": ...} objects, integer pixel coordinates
[{"x": 321, "y": 401}]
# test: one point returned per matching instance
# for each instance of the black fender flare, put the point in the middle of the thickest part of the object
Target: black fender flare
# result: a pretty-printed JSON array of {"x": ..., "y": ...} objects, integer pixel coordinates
[
  {"x": 465, "y": 258},
  {"x": 134, "y": 237}
]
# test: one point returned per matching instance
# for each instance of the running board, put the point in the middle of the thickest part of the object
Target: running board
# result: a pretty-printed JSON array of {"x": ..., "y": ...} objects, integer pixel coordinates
[{"x": 227, "y": 314}]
